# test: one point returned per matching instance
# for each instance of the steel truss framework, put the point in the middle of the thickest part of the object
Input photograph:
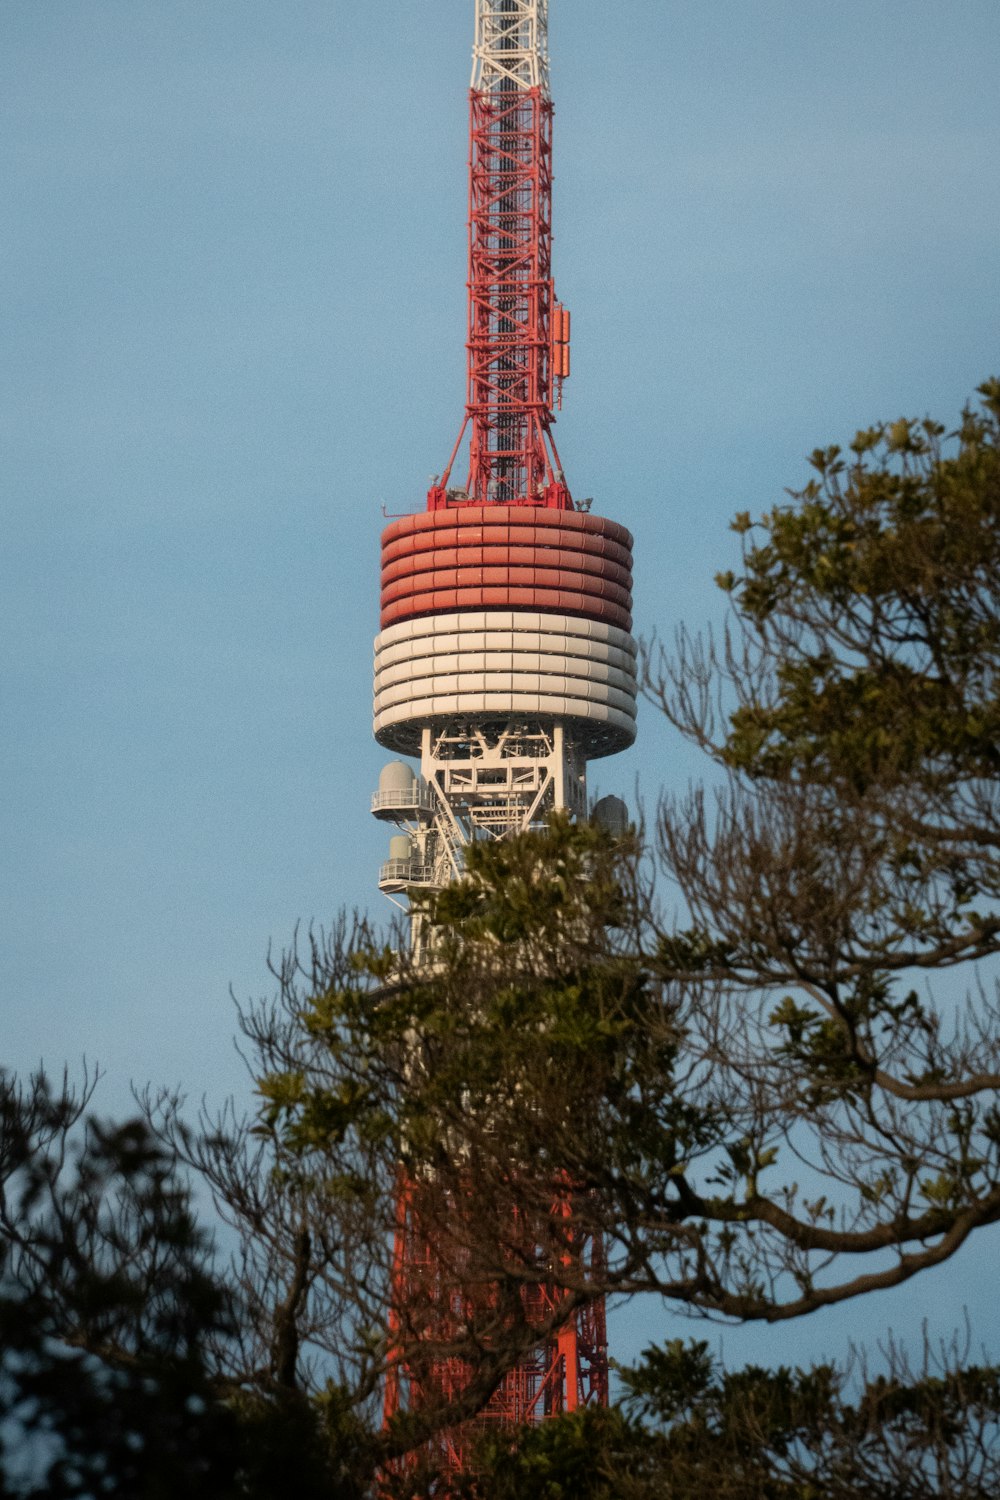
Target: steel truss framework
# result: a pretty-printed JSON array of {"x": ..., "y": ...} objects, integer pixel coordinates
[
  {"x": 480, "y": 779},
  {"x": 566, "y": 1370},
  {"x": 497, "y": 780},
  {"x": 512, "y": 45},
  {"x": 510, "y": 393},
  {"x": 518, "y": 335}
]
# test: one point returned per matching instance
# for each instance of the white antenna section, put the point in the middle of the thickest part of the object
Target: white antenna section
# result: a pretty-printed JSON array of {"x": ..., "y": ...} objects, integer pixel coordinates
[{"x": 512, "y": 46}]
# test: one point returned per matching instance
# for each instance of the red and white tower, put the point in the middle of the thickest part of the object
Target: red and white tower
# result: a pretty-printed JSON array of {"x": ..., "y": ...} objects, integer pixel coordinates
[{"x": 505, "y": 661}]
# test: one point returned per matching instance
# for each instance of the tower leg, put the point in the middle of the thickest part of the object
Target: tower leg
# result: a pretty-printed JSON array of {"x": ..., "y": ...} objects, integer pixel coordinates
[{"x": 566, "y": 1370}]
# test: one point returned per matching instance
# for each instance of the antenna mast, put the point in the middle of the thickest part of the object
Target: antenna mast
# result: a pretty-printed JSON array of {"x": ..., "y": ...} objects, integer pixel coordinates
[{"x": 518, "y": 335}]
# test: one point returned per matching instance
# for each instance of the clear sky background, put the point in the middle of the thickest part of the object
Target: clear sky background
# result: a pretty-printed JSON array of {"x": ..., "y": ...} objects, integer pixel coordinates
[{"x": 232, "y": 266}]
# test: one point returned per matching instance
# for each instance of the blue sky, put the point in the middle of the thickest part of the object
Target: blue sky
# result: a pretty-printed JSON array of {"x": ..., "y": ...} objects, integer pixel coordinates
[{"x": 232, "y": 265}]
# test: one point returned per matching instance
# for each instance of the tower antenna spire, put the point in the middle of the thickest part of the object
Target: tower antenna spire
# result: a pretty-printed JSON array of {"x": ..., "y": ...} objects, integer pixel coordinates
[{"x": 518, "y": 334}]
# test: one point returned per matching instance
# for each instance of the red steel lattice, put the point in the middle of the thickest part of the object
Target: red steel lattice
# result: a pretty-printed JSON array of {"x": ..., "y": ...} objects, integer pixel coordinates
[
  {"x": 566, "y": 1370},
  {"x": 518, "y": 337}
]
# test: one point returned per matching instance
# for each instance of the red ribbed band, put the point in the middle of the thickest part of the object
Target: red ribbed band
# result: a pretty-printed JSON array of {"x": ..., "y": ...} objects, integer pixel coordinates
[{"x": 507, "y": 557}]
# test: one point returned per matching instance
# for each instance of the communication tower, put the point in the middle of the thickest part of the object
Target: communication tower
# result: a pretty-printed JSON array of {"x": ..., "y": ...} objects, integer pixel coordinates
[{"x": 505, "y": 661}]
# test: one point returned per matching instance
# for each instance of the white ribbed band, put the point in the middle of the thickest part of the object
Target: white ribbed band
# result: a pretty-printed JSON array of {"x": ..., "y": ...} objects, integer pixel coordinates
[
  {"x": 521, "y": 622},
  {"x": 489, "y": 673},
  {"x": 500, "y": 663},
  {"x": 469, "y": 653}
]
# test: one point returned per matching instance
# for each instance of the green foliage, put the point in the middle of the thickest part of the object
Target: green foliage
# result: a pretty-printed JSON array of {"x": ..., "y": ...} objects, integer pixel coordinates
[
  {"x": 877, "y": 590},
  {"x": 689, "y": 1428},
  {"x": 594, "y": 1454},
  {"x": 534, "y": 990},
  {"x": 316, "y": 1447},
  {"x": 118, "y": 1337},
  {"x": 107, "y": 1308}
]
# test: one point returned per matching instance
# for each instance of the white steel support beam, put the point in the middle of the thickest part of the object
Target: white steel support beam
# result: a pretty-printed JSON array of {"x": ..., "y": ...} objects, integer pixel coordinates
[
  {"x": 479, "y": 782},
  {"x": 512, "y": 46}
]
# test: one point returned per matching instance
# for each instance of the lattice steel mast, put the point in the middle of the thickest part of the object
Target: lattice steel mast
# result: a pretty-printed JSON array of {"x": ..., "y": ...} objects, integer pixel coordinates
[{"x": 518, "y": 336}]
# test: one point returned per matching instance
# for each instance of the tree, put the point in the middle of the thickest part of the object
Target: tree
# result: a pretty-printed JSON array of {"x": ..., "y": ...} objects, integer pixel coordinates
[
  {"x": 852, "y": 849},
  {"x": 378, "y": 1072},
  {"x": 121, "y": 1335},
  {"x": 740, "y": 1098},
  {"x": 688, "y": 1428},
  {"x": 106, "y": 1307},
  {"x": 109, "y": 1383}
]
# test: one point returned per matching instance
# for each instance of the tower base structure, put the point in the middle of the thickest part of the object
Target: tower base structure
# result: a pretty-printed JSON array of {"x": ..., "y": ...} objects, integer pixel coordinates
[{"x": 565, "y": 1370}]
